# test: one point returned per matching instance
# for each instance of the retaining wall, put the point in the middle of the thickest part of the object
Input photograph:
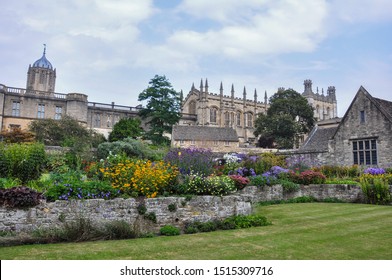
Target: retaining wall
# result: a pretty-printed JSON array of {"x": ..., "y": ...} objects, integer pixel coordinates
[{"x": 200, "y": 208}]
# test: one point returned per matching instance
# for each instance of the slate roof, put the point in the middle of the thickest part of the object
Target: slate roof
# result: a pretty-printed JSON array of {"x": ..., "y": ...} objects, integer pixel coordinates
[
  {"x": 385, "y": 105},
  {"x": 194, "y": 132},
  {"x": 317, "y": 140}
]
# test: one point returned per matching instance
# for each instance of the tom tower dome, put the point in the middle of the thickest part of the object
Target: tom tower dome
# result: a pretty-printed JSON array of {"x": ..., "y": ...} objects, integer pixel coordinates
[{"x": 41, "y": 76}]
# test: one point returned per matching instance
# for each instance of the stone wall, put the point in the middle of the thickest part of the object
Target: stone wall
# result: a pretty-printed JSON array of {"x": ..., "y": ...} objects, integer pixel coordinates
[{"x": 200, "y": 208}]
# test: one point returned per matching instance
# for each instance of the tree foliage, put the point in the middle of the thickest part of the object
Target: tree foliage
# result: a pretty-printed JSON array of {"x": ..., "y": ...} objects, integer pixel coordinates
[
  {"x": 288, "y": 116},
  {"x": 162, "y": 110},
  {"x": 65, "y": 132},
  {"x": 124, "y": 128},
  {"x": 17, "y": 135}
]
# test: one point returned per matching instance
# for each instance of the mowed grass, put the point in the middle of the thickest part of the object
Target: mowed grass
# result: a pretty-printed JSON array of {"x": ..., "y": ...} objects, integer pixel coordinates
[{"x": 308, "y": 231}]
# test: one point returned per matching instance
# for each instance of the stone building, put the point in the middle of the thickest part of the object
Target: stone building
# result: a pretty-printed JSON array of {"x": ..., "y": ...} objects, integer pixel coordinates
[
  {"x": 218, "y": 139},
  {"x": 18, "y": 106},
  {"x": 324, "y": 106},
  {"x": 363, "y": 136},
  {"x": 203, "y": 108}
]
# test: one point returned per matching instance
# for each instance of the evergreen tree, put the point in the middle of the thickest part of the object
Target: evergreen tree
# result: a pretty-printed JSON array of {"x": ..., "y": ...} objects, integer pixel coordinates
[
  {"x": 126, "y": 127},
  {"x": 162, "y": 110}
]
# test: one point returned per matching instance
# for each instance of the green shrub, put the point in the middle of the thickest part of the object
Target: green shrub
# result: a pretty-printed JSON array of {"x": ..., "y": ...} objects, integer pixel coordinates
[
  {"x": 6, "y": 183},
  {"x": 151, "y": 216},
  {"x": 169, "y": 230},
  {"x": 336, "y": 171},
  {"x": 22, "y": 161},
  {"x": 232, "y": 222},
  {"x": 260, "y": 181},
  {"x": 172, "y": 207},
  {"x": 289, "y": 186},
  {"x": 375, "y": 188},
  {"x": 132, "y": 148},
  {"x": 19, "y": 197},
  {"x": 73, "y": 185},
  {"x": 118, "y": 230},
  {"x": 213, "y": 185}
]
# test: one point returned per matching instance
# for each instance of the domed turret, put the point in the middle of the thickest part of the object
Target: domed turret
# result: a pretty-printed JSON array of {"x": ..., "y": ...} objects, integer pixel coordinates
[
  {"x": 41, "y": 76},
  {"x": 43, "y": 62}
]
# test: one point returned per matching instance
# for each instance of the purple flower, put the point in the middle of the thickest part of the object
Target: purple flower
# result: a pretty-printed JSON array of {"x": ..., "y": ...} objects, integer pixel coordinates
[{"x": 374, "y": 171}]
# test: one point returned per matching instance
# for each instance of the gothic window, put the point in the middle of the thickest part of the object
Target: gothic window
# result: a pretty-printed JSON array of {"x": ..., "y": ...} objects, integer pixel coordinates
[
  {"x": 365, "y": 152},
  {"x": 249, "y": 120},
  {"x": 192, "y": 107},
  {"x": 15, "y": 108},
  {"x": 328, "y": 113},
  {"x": 58, "y": 113},
  {"x": 238, "y": 118},
  {"x": 41, "y": 111},
  {"x": 213, "y": 113},
  {"x": 227, "y": 119}
]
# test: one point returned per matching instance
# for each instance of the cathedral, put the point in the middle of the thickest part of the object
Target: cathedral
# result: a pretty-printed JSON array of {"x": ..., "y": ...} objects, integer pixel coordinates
[{"x": 203, "y": 108}]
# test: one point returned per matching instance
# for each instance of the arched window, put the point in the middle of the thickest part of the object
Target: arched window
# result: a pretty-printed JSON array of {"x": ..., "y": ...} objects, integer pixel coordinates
[
  {"x": 192, "y": 107},
  {"x": 249, "y": 120},
  {"x": 239, "y": 118},
  {"x": 213, "y": 113},
  {"x": 227, "y": 119}
]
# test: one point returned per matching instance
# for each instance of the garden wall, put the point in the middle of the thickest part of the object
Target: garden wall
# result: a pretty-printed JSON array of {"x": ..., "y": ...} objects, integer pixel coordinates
[{"x": 168, "y": 210}]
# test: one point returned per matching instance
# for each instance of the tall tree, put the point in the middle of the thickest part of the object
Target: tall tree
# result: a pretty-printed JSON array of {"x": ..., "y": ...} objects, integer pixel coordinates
[
  {"x": 162, "y": 110},
  {"x": 126, "y": 127},
  {"x": 288, "y": 117}
]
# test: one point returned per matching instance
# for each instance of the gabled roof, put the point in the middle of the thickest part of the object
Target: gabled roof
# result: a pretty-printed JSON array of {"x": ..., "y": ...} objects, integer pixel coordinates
[
  {"x": 318, "y": 138},
  {"x": 194, "y": 132},
  {"x": 384, "y": 106}
]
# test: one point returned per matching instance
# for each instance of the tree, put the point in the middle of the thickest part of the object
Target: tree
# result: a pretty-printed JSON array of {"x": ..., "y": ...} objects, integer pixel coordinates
[
  {"x": 288, "y": 116},
  {"x": 162, "y": 110},
  {"x": 65, "y": 132},
  {"x": 126, "y": 127}
]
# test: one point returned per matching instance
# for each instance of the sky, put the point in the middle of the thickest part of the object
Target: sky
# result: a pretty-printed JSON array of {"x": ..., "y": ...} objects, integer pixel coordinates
[{"x": 111, "y": 49}]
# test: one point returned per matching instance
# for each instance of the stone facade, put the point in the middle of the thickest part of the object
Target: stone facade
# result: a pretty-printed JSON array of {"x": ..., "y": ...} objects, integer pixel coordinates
[
  {"x": 203, "y": 108},
  {"x": 363, "y": 136},
  {"x": 198, "y": 208}
]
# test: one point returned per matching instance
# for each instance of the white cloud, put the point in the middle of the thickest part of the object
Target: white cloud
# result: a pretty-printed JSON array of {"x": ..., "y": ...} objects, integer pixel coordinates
[
  {"x": 253, "y": 27},
  {"x": 354, "y": 11}
]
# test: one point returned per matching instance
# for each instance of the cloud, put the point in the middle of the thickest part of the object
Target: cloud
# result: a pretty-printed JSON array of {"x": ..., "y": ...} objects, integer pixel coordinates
[
  {"x": 248, "y": 28},
  {"x": 353, "y": 11}
]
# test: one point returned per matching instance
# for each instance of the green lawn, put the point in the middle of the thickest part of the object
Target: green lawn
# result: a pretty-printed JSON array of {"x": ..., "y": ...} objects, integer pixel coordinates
[{"x": 299, "y": 231}]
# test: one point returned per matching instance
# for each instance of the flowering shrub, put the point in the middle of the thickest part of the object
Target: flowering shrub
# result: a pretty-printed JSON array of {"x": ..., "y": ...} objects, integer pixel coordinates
[
  {"x": 276, "y": 171},
  {"x": 307, "y": 177},
  {"x": 73, "y": 185},
  {"x": 261, "y": 180},
  {"x": 374, "y": 171},
  {"x": 243, "y": 171},
  {"x": 298, "y": 163},
  {"x": 212, "y": 185},
  {"x": 239, "y": 181},
  {"x": 197, "y": 160},
  {"x": 142, "y": 177}
]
